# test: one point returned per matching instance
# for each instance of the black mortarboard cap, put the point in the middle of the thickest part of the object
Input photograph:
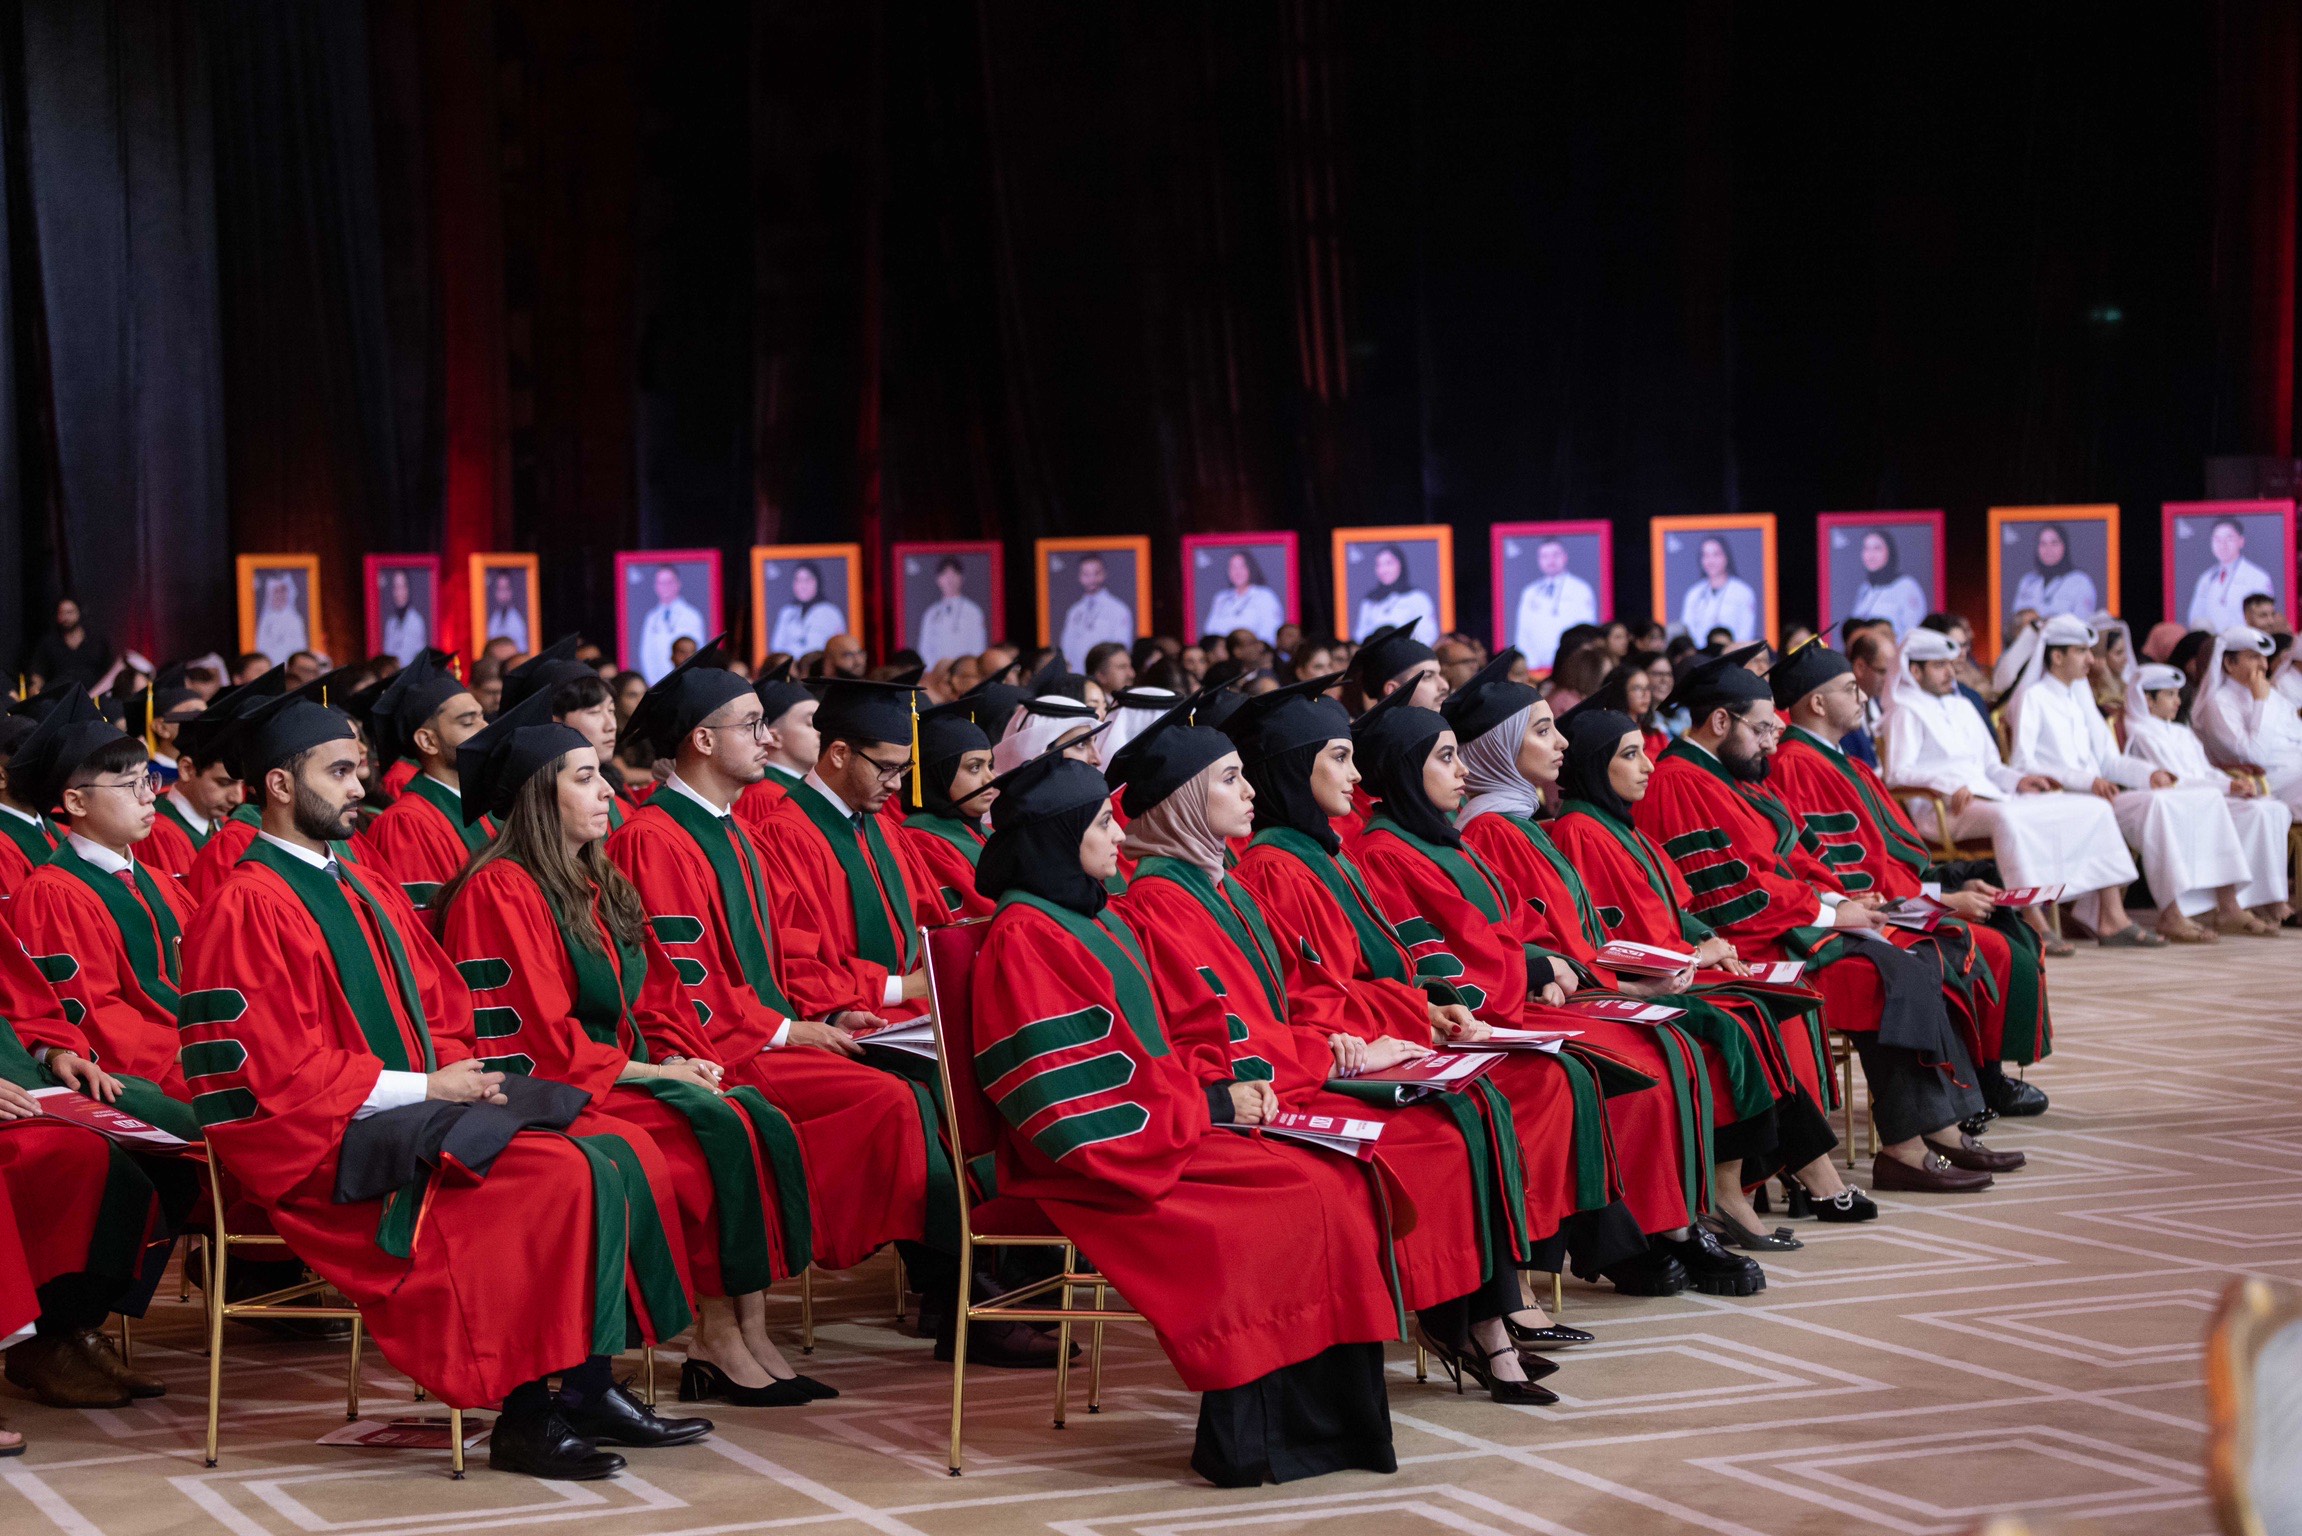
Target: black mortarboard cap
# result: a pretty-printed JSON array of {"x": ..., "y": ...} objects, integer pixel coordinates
[
  {"x": 277, "y": 729},
  {"x": 1804, "y": 670},
  {"x": 1743, "y": 655},
  {"x": 1164, "y": 756},
  {"x": 1714, "y": 683},
  {"x": 778, "y": 690},
  {"x": 857, "y": 709},
  {"x": 949, "y": 730},
  {"x": 1266, "y": 724},
  {"x": 1048, "y": 785},
  {"x": 992, "y": 702},
  {"x": 514, "y": 747},
  {"x": 1488, "y": 699},
  {"x": 684, "y": 698},
  {"x": 407, "y": 704},
  {"x": 544, "y": 672},
  {"x": 1392, "y": 725},
  {"x": 64, "y": 739},
  {"x": 38, "y": 704},
  {"x": 206, "y": 737},
  {"x": 1385, "y": 654}
]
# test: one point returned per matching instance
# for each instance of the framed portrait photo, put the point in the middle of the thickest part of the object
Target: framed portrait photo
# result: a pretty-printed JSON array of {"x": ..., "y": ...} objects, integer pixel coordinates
[
  {"x": 949, "y": 599},
  {"x": 2050, "y": 560},
  {"x": 1550, "y": 577},
  {"x": 1091, "y": 591},
  {"x": 1239, "y": 581},
  {"x": 801, "y": 596},
  {"x": 279, "y": 603},
  {"x": 1399, "y": 575},
  {"x": 505, "y": 601},
  {"x": 2220, "y": 553},
  {"x": 1878, "y": 565},
  {"x": 403, "y": 604},
  {"x": 1716, "y": 571},
  {"x": 663, "y": 596}
]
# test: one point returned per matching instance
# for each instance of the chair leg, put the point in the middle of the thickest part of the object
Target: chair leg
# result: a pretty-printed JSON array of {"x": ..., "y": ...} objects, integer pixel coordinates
[
  {"x": 419, "y": 1390},
  {"x": 1846, "y": 1101},
  {"x": 1095, "y": 1356},
  {"x": 1558, "y": 1293},
  {"x": 184, "y": 1269},
  {"x": 807, "y": 1310},
  {"x": 963, "y": 1307},
  {"x": 1063, "y": 1345},
  {"x": 647, "y": 1375},
  {"x": 127, "y": 1341},
  {"x": 456, "y": 1444},
  {"x": 219, "y": 1260},
  {"x": 901, "y": 1285},
  {"x": 352, "y": 1377},
  {"x": 1422, "y": 1363}
]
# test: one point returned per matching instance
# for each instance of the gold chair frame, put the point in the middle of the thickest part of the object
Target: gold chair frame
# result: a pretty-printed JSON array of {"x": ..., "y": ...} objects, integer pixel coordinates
[{"x": 2252, "y": 1312}]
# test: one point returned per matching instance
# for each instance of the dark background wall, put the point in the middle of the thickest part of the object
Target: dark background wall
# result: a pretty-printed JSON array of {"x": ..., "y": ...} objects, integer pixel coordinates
[{"x": 580, "y": 275}]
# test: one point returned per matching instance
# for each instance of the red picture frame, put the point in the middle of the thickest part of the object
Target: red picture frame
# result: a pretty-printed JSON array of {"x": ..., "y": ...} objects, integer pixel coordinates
[
  {"x": 626, "y": 560},
  {"x": 1504, "y": 616},
  {"x": 2173, "y": 512},
  {"x": 1826, "y": 522},
  {"x": 1290, "y": 596},
  {"x": 374, "y": 569},
  {"x": 898, "y": 610}
]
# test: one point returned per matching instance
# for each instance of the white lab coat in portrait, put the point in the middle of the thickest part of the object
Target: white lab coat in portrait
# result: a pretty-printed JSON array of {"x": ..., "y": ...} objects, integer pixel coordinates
[
  {"x": 1941, "y": 743},
  {"x": 1096, "y": 618},
  {"x": 798, "y": 630},
  {"x": 2218, "y": 599},
  {"x": 280, "y": 633},
  {"x": 1412, "y": 606},
  {"x": 1901, "y": 602},
  {"x": 951, "y": 626},
  {"x": 665, "y": 623},
  {"x": 1549, "y": 606},
  {"x": 1732, "y": 607},
  {"x": 1255, "y": 610},
  {"x": 2189, "y": 844},
  {"x": 405, "y": 636},
  {"x": 510, "y": 624},
  {"x": 2072, "y": 592}
]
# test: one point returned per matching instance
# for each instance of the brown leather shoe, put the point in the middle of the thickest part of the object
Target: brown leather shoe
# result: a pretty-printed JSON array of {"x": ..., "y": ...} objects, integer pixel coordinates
[
  {"x": 1933, "y": 1177},
  {"x": 1973, "y": 1156},
  {"x": 48, "y": 1367},
  {"x": 99, "y": 1348}
]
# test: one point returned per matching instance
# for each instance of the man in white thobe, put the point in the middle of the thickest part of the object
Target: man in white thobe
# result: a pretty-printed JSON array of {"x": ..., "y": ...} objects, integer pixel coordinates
[
  {"x": 1555, "y": 601},
  {"x": 2153, "y": 699},
  {"x": 1097, "y": 616},
  {"x": 2189, "y": 845},
  {"x": 1935, "y": 740},
  {"x": 2218, "y": 599},
  {"x": 2243, "y": 720}
]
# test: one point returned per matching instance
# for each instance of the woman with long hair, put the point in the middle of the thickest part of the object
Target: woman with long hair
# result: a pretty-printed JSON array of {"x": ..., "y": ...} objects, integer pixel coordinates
[{"x": 569, "y": 983}]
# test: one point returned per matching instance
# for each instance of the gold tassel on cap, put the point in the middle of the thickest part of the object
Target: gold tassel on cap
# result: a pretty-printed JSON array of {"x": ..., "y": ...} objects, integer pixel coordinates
[{"x": 916, "y": 770}]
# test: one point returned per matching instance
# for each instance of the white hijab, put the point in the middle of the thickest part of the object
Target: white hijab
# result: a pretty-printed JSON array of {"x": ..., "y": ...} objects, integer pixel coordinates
[
  {"x": 1492, "y": 761},
  {"x": 1178, "y": 828}
]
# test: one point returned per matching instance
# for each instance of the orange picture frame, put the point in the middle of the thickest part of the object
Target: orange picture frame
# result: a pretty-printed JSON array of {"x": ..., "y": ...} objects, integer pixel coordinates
[
  {"x": 2105, "y": 513},
  {"x": 1346, "y": 539},
  {"x": 1136, "y": 544},
  {"x": 1659, "y": 533},
  {"x": 476, "y": 571},
  {"x": 850, "y": 555},
  {"x": 248, "y": 571}
]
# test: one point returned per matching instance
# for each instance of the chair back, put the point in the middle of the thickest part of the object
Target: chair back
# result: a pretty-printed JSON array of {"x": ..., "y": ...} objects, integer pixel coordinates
[
  {"x": 2254, "y": 1409},
  {"x": 951, "y": 952}
]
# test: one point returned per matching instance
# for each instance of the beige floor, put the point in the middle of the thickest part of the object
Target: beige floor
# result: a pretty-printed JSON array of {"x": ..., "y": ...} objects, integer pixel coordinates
[{"x": 2033, "y": 1349}]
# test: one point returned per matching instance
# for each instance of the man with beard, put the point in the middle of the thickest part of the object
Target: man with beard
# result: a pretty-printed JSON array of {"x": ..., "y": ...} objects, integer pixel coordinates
[{"x": 1734, "y": 858}]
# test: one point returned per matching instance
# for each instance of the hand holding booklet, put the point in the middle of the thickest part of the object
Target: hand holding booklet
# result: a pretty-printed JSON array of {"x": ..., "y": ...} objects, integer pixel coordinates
[
  {"x": 76, "y": 1107},
  {"x": 1439, "y": 1072},
  {"x": 1337, "y": 1133},
  {"x": 914, "y": 1037},
  {"x": 1643, "y": 959},
  {"x": 2028, "y": 896}
]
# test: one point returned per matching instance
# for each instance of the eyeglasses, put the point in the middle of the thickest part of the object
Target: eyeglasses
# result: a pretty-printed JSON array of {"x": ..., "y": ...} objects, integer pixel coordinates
[
  {"x": 144, "y": 786},
  {"x": 757, "y": 725},
  {"x": 1763, "y": 729},
  {"x": 888, "y": 772}
]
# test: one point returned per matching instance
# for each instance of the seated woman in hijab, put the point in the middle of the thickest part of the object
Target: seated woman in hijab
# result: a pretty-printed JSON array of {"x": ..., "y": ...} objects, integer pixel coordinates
[
  {"x": 1764, "y": 1114},
  {"x": 1446, "y": 896},
  {"x": 2153, "y": 734},
  {"x": 1216, "y": 971},
  {"x": 569, "y": 984},
  {"x": 943, "y": 810},
  {"x": 1271, "y": 1300},
  {"x": 1347, "y": 970}
]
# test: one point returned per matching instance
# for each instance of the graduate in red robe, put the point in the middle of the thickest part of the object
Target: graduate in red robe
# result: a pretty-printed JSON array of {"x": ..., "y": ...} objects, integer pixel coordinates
[
  {"x": 1461, "y": 918},
  {"x": 423, "y": 841},
  {"x": 101, "y": 926},
  {"x": 1389, "y": 661},
  {"x": 1269, "y": 1295},
  {"x": 27, "y": 836},
  {"x": 788, "y": 707},
  {"x": 1869, "y": 844},
  {"x": 943, "y": 828},
  {"x": 1765, "y": 1060},
  {"x": 568, "y": 984},
  {"x": 329, "y": 1041},
  {"x": 581, "y": 698},
  {"x": 1216, "y": 972},
  {"x": 877, "y": 1169},
  {"x": 1735, "y": 861}
]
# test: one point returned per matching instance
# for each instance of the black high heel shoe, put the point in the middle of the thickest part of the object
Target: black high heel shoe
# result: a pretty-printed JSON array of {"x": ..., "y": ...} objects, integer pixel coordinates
[
  {"x": 1556, "y": 1335},
  {"x": 700, "y": 1381},
  {"x": 1461, "y": 1362}
]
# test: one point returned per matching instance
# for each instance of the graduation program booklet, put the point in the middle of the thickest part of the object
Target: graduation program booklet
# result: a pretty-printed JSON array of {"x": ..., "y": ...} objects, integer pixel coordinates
[
  {"x": 914, "y": 1036},
  {"x": 1439, "y": 1072},
  {"x": 1547, "y": 1041},
  {"x": 1337, "y": 1133},
  {"x": 1628, "y": 1010},
  {"x": 72, "y": 1105},
  {"x": 2028, "y": 896},
  {"x": 1765, "y": 976},
  {"x": 1643, "y": 959}
]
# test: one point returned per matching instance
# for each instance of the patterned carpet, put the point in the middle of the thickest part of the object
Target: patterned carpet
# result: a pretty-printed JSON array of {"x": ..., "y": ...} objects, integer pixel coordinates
[{"x": 2034, "y": 1349}]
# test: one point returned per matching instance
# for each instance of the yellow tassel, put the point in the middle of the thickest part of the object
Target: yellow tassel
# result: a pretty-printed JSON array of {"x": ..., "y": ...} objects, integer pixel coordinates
[{"x": 916, "y": 771}]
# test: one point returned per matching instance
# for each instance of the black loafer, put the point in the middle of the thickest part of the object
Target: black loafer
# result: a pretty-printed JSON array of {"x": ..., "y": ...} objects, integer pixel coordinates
[
  {"x": 2014, "y": 1098},
  {"x": 616, "y": 1417},
  {"x": 1711, "y": 1269},
  {"x": 1651, "y": 1273},
  {"x": 1846, "y": 1205},
  {"x": 542, "y": 1445}
]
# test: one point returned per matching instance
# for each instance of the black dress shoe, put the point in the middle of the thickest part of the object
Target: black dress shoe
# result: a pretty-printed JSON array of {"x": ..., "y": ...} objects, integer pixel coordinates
[
  {"x": 1653, "y": 1272},
  {"x": 1846, "y": 1205},
  {"x": 1796, "y": 1201},
  {"x": 1010, "y": 1346},
  {"x": 542, "y": 1445},
  {"x": 1711, "y": 1269},
  {"x": 816, "y": 1389},
  {"x": 2013, "y": 1097},
  {"x": 615, "y": 1417},
  {"x": 702, "y": 1382},
  {"x": 1554, "y": 1336}
]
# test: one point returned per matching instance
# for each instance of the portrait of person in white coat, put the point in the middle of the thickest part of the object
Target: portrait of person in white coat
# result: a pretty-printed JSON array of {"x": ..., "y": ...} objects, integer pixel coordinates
[
  {"x": 1719, "y": 598},
  {"x": 1096, "y": 615},
  {"x": 2156, "y": 735},
  {"x": 952, "y": 625},
  {"x": 2218, "y": 596},
  {"x": 1395, "y": 598},
  {"x": 2056, "y": 583},
  {"x": 1551, "y": 604},
  {"x": 1244, "y": 601},
  {"x": 672, "y": 619},
  {"x": 2190, "y": 849},
  {"x": 810, "y": 616}
]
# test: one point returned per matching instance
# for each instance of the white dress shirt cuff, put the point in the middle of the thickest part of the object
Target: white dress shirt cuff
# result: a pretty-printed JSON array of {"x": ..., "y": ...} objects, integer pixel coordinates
[
  {"x": 892, "y": 993},
  {"x": 393, "y": 1090},
  {"x": 780, "y": 1038},
  {"x": 1931, "y": 889}
]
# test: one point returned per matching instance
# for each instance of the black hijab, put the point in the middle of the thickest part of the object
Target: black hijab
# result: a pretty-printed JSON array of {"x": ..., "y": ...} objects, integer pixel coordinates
[
  {"x": 1891, "y": 572},
  {"x": 1280, "y": 735},
  {"x": 1043, "y": 812},
  {"x": 1592, "y": 736},
  {"x": 1394, "y": 741},
  {"x": 2058, "y": 568}
]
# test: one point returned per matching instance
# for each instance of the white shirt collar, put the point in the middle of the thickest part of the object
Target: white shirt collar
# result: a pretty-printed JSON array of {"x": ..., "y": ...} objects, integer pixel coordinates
[
  {"x": 187, "y": 810},
  {"x": 297, "y": 850},
  {"x": 679, "y": 785},
  {"x": 25, "y": 817},
  {"x": 97, "y": 854},
  {"x": 812, "y": 781},
  {"x": 444, "y": 784}
]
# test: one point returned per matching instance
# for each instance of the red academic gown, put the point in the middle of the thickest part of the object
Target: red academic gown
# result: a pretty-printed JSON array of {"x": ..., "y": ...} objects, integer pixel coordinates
[
  {"x": 866, "y": 1136},
  {"x": 811, "y": 886},
  {"x": 945, "y": 850},
  {"x": 397, "y": 777},
  {"x": 1485, "y": 959},
  {"x": 1221, "y": 1016},
  {"x": 1335, "y": 986},
  {"x": 480, "y": 1284},
  {"x": 527, "y": 996},
  {"x": 1230, "y": 1244},
  {"x": 757, "y": 800},
  {"x": 213, "y": 864},
  {"x": 108, "y": 947},
  {"x": 169, "y": 850},
  {"x": 1869, "y": 844},
  {"x": 23, "y": 848},
  {"x": 422, "y": 841}
]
